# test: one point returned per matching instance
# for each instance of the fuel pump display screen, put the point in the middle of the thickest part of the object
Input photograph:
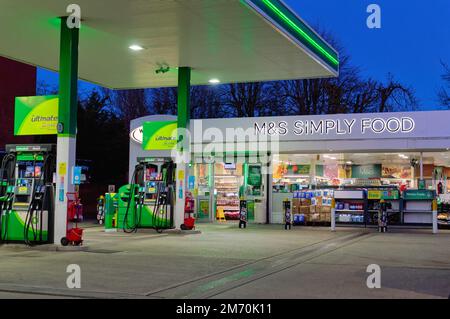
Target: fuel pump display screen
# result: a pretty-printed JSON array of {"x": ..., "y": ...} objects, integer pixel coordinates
[
  {"x": 30, "y": 170},
  {"x": 37, "y": 171},
  {"x": 151, "y": 172},
  {"x": 23, "y": 186},
  {"x": 151, "y": 187}
]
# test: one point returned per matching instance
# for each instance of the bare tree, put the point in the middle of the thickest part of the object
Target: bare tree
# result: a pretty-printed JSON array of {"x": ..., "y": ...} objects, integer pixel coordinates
[
  {"x": 130, "y": 104},
  {"x": 323, "y": 96},
  {"x": 246, "y": 99},
  {"x": 348, "y": 93},
  {"x": 274, "y": 101},
  {"x": 206, "y": 102},
  {"x": 394, "y": 96},
  {"x": 164, "y": 101},
  {"x": 444, "y": 93},
  {"x": 44, "y": 88}
]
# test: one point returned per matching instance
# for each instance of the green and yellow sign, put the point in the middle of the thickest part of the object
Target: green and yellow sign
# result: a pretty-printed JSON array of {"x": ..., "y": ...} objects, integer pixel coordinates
[
  {"x": 160, "y": 136},
  {"x": 36, "y": 115},
  {"x": 384, "y": 194}
]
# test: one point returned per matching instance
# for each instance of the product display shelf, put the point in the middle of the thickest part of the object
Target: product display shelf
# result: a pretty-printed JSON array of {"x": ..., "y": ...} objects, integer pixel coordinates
[
  {"x": 418, "y": 207},
  {"x": 312, "y": 207},
  {"x": 227, "y": 199},
  {"x": 391, "y": 195},
  {"x": 444, "y": 210},
  {"x": 351, "y": 207}
]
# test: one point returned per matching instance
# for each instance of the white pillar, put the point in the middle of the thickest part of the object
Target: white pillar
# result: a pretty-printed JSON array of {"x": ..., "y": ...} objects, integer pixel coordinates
[
  {"x": 270, "y": 190},
  {"x": 312, "y": 174},
  {"x": 333, "y": 215},
  {"x": 180, "y": 193},
  {"x": 65, "y": 161},
  {"x": 212, "y": 197},
  {"x": 333, "y": 219},
  {"x": 421, "y": 166},
  {"x": 435, "y": 221}
]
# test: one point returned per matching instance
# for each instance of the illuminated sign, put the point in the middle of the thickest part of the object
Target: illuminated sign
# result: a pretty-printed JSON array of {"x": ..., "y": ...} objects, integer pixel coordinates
[
  {"x": 137, "y": 135},
  {"x": 393, "y": 125},
  {"x": 36, "y": 115},
  {"x": 160, "y": 136}
]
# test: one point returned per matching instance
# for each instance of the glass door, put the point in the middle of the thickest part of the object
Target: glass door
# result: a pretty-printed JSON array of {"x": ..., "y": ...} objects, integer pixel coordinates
[
  {"x": 228, "y": 182},
  {"x": 204, "y": 177}
]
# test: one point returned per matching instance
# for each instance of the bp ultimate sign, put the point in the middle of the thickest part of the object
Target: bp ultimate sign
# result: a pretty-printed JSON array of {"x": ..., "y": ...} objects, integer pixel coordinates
[{"x": 36, "y": 115}]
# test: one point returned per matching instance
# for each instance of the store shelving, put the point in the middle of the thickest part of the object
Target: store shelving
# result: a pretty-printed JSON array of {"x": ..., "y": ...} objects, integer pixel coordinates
[
  {"x": 418, "y": 207},
  {"x": 390, "y": 195},
  {"x": 351, "y": 207},
  {"x": 227, "y": 188},
  {"x": 312, "y": 207}
]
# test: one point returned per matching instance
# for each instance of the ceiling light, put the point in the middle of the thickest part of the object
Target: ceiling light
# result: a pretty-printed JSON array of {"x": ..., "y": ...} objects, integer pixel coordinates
[
  {"x": 136, "y": 47},
  {"x": 214, "y": 81},
  {"x": 349, "y": 163}
]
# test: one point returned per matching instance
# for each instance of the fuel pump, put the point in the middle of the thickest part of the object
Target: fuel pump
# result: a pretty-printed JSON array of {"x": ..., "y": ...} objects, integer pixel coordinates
[
  {"x": 148, "y": 202},
  {"x": 111, "y": 211},
  {"x": 101, "y": 210},
  {"x": 27, "y": 194},
  {"x": 7, "y": 170}
]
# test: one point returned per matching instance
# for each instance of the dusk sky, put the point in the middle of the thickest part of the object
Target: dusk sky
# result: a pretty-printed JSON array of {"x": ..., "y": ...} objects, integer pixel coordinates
[{"x": 412, "y": 42}]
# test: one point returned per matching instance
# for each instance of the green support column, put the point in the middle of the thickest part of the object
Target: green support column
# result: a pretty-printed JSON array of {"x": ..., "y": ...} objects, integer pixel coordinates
[
  {"x": 68, "y": 80},
  {"x": 184, "y": 116},
  {"x": 184, "y": 102},
  {"x": 67, "y": 124}
]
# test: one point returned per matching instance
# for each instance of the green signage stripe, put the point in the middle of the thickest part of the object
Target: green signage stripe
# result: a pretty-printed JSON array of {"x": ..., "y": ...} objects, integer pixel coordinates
[
  {"x": 419, "y": 195},
  {"x": 29, "y": 157},
  {"x": 67, "y": 135},
  {"x": 278, "y": 12}
]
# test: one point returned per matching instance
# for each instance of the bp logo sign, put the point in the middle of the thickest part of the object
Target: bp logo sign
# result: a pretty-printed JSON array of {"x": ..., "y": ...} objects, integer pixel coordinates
[
  {"x": 160, "y": 136},
  {"x": 36, "y": 115}
]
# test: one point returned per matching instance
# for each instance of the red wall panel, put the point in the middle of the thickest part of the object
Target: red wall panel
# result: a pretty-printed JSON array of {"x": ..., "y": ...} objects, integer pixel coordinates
[{"x": 16, "y": 79}]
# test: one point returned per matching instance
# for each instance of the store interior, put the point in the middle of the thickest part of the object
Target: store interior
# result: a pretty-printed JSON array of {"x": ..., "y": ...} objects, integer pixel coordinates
[
  {"x": 222, "y": 185},
  {"x": 356, "y": 182},
  {"x": 292, "y": 171}
]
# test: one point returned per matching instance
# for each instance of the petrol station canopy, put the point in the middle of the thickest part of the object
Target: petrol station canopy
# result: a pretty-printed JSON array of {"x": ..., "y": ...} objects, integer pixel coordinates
[{"x": 228, "y": 40}]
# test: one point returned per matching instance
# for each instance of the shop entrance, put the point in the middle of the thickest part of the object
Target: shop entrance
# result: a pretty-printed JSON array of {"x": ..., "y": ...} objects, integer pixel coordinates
[{"x": 221, "y": 186}]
